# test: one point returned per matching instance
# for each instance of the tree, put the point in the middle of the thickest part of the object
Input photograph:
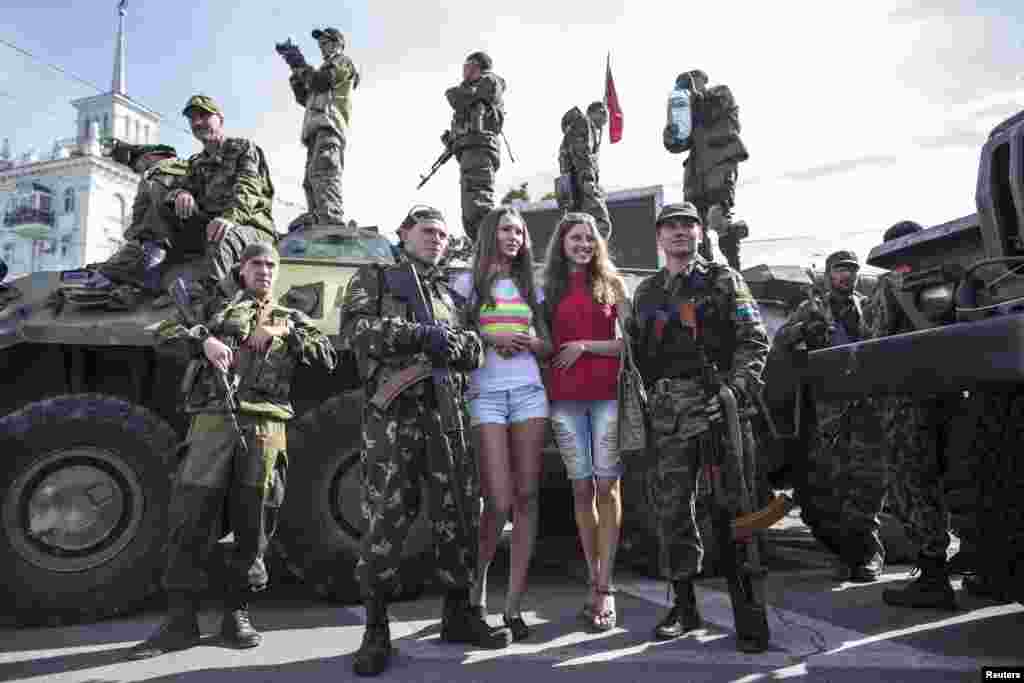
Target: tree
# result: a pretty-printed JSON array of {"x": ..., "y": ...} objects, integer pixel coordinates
[{"x": 522, "y": 194}]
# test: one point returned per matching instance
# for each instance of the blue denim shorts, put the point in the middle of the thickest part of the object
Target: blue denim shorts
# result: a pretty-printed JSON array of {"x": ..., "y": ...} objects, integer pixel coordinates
[
  {"x": 586, "y": 437},
  {"x": 509, "y": 406}
]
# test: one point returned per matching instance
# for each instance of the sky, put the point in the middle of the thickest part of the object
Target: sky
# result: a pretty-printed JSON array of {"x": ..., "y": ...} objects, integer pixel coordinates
[{"x": 856, "y": 115}]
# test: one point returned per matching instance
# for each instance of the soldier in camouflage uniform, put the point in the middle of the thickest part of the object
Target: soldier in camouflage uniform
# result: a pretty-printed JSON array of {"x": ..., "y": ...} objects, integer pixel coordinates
[
  {"x": 478, "y": 117},
  {"x": 578, "y": 159},
  {"x": 843, "y": 488},
  {"x": 716, "y": 150},
  {"x": 406, "y": 440},
  {"x": 326, "y": 93},
  {"x": 155, "y": 232},
  {"x": 689, "y": 306},
  {"x": 226, "y": 198},
  {"x": 254, "y": 345}
]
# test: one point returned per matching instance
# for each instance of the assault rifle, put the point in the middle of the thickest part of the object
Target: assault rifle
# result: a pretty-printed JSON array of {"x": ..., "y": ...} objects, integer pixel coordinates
[
  {"x": 447, "y": 154},
  {"x": 183, "y": 301},
  {"x": 745, "y": 578}
]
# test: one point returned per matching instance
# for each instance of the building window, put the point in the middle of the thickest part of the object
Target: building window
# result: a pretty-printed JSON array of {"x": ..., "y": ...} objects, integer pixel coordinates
[
  {"x": 69, "y": 200},
  {"x": 146, "y": 131}
]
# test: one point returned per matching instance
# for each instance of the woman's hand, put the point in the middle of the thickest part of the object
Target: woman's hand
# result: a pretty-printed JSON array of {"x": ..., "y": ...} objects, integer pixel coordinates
[{"x": 568, "y": 354}]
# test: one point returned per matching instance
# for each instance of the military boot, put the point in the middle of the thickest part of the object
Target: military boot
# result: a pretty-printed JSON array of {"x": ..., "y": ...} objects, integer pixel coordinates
[
  {"x": 983, "y": 586},
  {"x": 374, "y": 654},
  {"x": 931, "y": 588},
  {"x": 683, "y": 617},
  {"x": 858, "y": 547},
  {"x": 236, "y": 627},
  {"x": 179, "y": 631},
  {"x": 462, "y": 622}
]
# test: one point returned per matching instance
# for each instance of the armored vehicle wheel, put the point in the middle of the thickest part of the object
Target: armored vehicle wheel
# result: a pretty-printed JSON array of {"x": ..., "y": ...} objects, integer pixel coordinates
[
  {"x": 321, "y": 522},
  {"x": 85, "y": 484}
]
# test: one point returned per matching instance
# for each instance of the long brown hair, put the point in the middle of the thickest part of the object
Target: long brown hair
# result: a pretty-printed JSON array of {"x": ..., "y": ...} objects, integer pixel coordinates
[
  {"x": 486, "y": 256},
  {"x": 606, "y": 285}
]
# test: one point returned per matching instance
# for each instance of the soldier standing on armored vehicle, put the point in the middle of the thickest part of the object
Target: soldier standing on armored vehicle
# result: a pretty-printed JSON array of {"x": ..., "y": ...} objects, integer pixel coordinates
[
  {"x": 843, "y": 488},
  {"x": 477, "y": 121},
  {"x": 227, "y": 196},
  {"x": 153, "y": 233},
  {"x": 402, "y": 323},
  {"x": 235, "y": 463},
  {"x": 692, "y": 313},
  {"x": 709, "y": 181},
  {"x": 326, "y": 94},
  {"x": 578, "y": 163}
]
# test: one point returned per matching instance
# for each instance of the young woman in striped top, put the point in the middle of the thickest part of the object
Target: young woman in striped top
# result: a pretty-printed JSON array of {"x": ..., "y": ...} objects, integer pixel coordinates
[{"x": 508, "y": 406}]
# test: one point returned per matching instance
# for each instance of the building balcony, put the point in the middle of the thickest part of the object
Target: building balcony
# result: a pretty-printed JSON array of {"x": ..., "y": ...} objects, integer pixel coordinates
[{"x": 31, "y": 223}]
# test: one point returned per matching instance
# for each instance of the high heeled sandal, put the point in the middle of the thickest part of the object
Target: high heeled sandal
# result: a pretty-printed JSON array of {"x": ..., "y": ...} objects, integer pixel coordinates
[{"x": 607, "y": 618}]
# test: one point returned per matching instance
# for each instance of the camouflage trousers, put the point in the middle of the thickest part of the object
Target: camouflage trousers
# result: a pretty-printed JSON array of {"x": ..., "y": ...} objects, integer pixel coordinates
[
  {"x": 220, "y": 488},
  {"x": 914, "y": 434},
  {"x": 477, "y": 168},
  {"x": 325, "y": 162},
  {"x": 843, "y": 490},
  {"x": 405, "y": 449},
  {"x": 717, "y": 187},
  {"x": 681, "y": 448},
  {"x": 590, "y": 198}
]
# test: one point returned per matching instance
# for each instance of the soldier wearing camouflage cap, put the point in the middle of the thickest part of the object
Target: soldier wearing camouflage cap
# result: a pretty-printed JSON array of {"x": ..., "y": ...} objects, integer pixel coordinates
[
  {"x": 326, "y": 94},
  {"x": 842, "y": 492},
  {"x": 691, "y": 308},
  {"x": 255, "y": 345},
  {"x": 227, "y": 196},
  {"x": 715, "y": 150},
  {"x": 578, "y": 161},
  {"x": 477, "y": 119}
]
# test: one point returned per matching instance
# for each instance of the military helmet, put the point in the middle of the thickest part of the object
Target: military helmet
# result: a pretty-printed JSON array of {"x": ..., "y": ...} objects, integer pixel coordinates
[
  {"x": 900, "y": 229},
  {"x": 329, "y": 32},
  {"x": 842, "y": 257},
  {"x": 482, "y": 59},
  {"x": 203, "y": 102}
]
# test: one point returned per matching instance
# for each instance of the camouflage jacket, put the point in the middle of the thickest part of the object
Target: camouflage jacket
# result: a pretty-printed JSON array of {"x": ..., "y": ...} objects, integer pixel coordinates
[
  {"x": 378, "y": 326},
  {"x": 263, "y": 381},
  {"x": 157, "y": 181},
  {"x": 479, "y": 112},
  {"x": 715, "y": 136},
  {"x": 580, "y": 144},
  {"x": 326, "y": 93},
  {"x": 666, "y": 313},
  {"x": 234, "y": 184},
  {"x": 887, "y": 316},
  {"x": 848, "y": 320}
]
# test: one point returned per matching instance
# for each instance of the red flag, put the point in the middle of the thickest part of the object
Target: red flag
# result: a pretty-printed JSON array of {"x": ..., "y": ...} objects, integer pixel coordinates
[{"x": 611, "y": 100}]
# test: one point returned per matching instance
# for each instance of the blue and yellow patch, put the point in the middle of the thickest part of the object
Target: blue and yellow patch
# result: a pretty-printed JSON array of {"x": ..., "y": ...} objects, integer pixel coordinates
[{"x": 747, "y": 312}]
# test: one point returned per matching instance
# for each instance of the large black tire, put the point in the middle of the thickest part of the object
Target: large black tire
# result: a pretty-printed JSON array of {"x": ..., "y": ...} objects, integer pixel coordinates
[
  {"x": 85, "y": 485},
  {"x": 321, "y": 523}
]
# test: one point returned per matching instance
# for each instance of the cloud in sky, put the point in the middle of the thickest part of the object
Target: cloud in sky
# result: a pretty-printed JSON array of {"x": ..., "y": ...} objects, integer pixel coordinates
[{"x": 881, "y": 105}]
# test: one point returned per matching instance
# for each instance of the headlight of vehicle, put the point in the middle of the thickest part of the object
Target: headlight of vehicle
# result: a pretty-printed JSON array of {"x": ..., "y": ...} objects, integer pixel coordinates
[{"x": 936, "y": 301}]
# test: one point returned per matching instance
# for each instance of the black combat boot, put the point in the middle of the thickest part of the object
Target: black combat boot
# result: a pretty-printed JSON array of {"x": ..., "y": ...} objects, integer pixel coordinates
[
  {"x": 683, "y": 617},
  {"x": 930, "y": 589},
  {"x": 857, "y": 548},
  {"x": 374, "y": 654},
  {"x": 462, "y": 622},
  {"x": 179, "y": 630},
  {"x": 983, "y": 586},
  {"x": 236, "y": 627}
]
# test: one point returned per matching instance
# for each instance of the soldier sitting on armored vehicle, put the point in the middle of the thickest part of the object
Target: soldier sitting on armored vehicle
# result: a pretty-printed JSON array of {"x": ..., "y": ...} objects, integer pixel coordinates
[{"x": 842, "y": 488}]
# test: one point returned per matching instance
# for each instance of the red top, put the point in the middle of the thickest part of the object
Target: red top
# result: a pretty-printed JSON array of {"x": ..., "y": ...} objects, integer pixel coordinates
[{"x": 592, "y": 377}]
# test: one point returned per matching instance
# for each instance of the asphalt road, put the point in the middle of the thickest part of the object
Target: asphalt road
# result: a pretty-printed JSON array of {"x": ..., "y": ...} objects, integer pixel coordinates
[{"x": 821, "y": 631}]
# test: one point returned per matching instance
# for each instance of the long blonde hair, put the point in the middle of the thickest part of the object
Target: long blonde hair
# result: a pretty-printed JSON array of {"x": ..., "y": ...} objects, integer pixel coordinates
[{"x": 606, "y": 285}]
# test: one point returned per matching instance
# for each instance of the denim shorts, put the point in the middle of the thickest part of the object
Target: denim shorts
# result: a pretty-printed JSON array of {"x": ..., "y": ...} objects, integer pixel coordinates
[
  {"x": 509, "y": 406},
  {"x": 586, "y": 437}
]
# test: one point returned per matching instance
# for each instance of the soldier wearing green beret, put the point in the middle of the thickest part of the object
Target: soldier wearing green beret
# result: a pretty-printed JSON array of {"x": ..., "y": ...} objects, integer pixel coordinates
[
  {"x": 326, "y": 94},
  {"x": 254, "y": 345},
  {"x": 477, "y": 119},
  {"x": 226, "y": 197}
]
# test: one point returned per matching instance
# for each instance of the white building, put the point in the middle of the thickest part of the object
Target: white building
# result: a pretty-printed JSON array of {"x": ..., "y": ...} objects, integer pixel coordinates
[{"x": 73, "y": 208}]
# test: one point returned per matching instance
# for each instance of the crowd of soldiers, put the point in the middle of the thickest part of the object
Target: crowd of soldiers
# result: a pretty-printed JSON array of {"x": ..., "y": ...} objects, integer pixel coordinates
[{"x": 403, "y": 323}]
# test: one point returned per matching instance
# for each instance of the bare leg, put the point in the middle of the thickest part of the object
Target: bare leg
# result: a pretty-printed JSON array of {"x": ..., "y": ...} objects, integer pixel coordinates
[
  {"x": 609, "y": 513},
  {"x": 527, "y": 438},
  {"x": 496, "y": 488},
  {"x": 586, "y": 522}
]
